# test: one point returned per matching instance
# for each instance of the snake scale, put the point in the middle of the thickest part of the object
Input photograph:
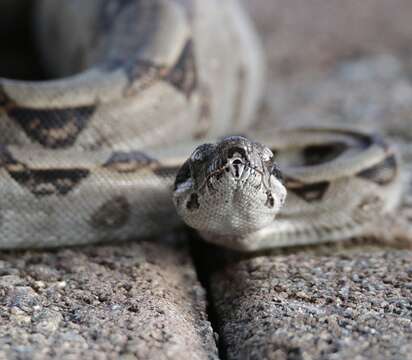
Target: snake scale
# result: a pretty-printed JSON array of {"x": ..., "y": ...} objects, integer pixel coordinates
[{"x": 99, "y": 152}]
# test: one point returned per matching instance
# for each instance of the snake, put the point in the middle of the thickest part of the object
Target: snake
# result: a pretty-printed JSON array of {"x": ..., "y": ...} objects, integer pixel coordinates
[{"x": 144, "y": 124}]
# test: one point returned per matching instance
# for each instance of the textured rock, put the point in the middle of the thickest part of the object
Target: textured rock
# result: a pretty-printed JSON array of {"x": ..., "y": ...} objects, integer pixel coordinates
[
  {"x": 342, "y": 304},
  {"x": 125, "y": 302}
]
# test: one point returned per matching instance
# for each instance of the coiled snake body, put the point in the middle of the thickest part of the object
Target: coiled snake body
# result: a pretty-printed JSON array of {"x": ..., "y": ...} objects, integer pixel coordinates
[{"x": 93, "y": 155}]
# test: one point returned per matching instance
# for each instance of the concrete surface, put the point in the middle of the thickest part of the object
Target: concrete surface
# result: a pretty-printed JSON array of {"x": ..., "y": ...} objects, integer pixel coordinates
[
  {"x": 351, "y": 303},
  {"x": 137, "y": 301}
]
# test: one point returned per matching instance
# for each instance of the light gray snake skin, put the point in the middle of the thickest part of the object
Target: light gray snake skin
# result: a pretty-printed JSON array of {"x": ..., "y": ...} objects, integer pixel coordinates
[{"x": 93, "y": 155}]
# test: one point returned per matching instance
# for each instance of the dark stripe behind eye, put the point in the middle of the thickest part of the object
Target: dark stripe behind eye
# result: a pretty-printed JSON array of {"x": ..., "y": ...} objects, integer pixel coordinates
[
  {"x": 382, "y": 173},
  {"x": 183, "y": 174},
  {"x": 308, "y": 192}
]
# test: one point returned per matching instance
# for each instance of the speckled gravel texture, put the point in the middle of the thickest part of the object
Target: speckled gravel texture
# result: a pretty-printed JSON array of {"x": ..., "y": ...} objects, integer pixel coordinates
[
  {"x": 342, "y": 304},
  {"x": 137, "y": 301}
]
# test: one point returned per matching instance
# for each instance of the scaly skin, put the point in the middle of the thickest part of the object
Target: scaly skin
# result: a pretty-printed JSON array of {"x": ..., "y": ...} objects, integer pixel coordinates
[
  {"x": 340, "y": 184},
  {"x": 75, "y": 159},
  {"x": 92, "y": 156}
]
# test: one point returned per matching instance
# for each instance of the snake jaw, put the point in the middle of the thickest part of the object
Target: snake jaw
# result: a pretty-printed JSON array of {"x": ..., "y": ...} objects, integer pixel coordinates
[{"x": 229, "y": 188}]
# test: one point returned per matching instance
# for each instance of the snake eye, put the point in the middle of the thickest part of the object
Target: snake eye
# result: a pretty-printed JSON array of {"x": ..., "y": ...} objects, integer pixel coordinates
[
  {"x": 197, "y": 155},
  {"x": 267, "y": 154},
  {"x": 202, "y": 153}
]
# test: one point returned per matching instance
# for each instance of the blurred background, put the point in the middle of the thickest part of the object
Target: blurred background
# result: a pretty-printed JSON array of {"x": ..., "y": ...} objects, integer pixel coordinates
[{"x": 337, "y": 61}]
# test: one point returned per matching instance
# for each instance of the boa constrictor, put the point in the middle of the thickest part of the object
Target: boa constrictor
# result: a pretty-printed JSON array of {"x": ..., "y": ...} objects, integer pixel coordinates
[{"x": 93, "y": 154}]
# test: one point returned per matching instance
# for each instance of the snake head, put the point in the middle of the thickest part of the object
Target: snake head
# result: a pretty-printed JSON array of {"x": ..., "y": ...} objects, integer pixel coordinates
[{"x": 230, "y": 188}]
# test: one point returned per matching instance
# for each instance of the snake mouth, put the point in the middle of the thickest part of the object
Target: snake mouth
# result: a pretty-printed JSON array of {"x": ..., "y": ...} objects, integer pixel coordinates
[
  {"x": 236, "y": 167},
  {"x": 237, "y": 171}
]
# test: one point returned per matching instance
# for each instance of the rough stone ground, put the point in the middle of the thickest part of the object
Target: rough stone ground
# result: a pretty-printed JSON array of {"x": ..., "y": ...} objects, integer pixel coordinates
[
  {"x": 329, "y": 62},
  {"x": 353, "y": 303},
  {"x": 136, "y": 301}
]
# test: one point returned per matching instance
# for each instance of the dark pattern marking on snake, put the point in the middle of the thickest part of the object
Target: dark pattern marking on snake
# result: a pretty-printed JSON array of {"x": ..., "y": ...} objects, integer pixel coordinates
[
  {"x": 166, "y": 171},
  {"x": 50, "y": 181},
  {"x": 183, "y": 75},
  {"x": 270, "y": 201},
  {"x": 131, "y": 161},
  {"x": 53, "y": 128},
  {"x": 41, "y": 182},
  {"x": 309, "y": 192},
  {"x": 382, "y": 173},
  {"x": 318, "y": 154},
  {"x": 193, "y": 203},
  {"x": 113, "y": 214},
  {"x": 205, "y": 110},
  {"x": 141, "y": 75}
]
